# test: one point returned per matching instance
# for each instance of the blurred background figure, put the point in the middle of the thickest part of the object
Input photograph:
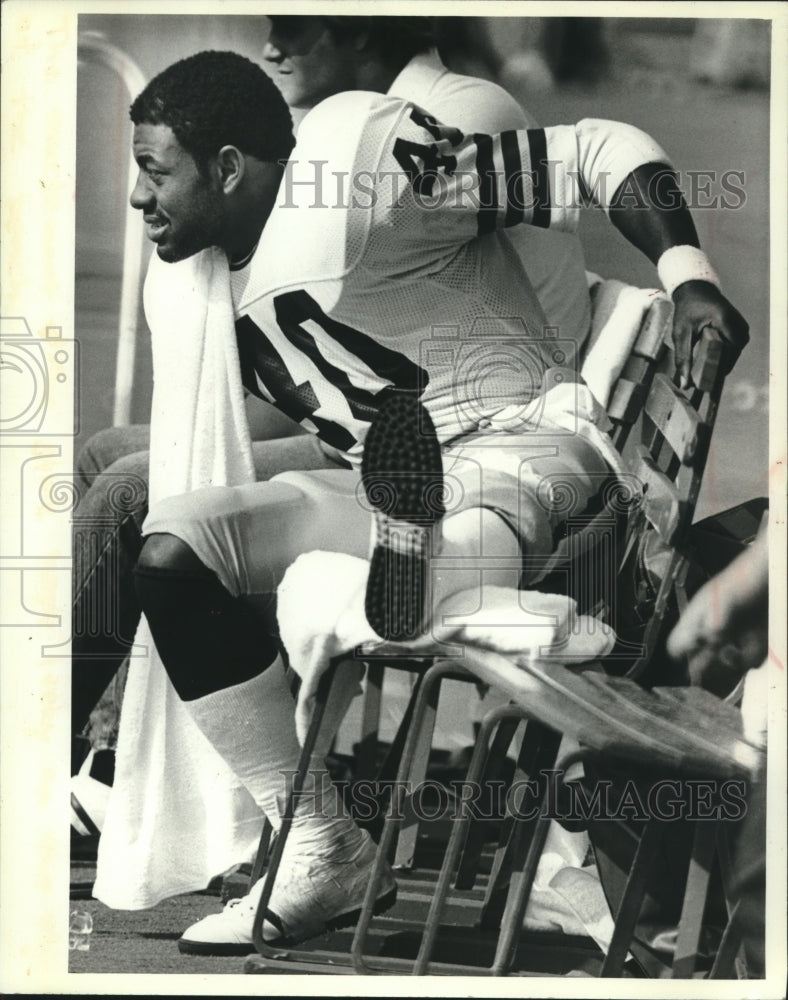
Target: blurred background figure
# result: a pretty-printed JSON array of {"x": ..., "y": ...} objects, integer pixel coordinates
[
  {"x": 576, "y": 48},
  {"x": 731, "y": 53},
  {"x": 723, "y": 636},
  {"x": 539, "y": 53},
  {"x": 535, "y": 53}
]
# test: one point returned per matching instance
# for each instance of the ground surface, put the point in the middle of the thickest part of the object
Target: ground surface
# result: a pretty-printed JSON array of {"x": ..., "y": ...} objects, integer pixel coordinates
[{"x": 144, "y": 940}]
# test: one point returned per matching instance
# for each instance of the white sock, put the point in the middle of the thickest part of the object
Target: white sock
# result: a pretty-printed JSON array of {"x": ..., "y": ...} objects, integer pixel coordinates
[{"x": 252, "y": 727}]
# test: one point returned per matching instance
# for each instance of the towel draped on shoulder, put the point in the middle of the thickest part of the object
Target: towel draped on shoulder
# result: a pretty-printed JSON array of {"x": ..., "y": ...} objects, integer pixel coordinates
[{"x": 177, "y": 816}]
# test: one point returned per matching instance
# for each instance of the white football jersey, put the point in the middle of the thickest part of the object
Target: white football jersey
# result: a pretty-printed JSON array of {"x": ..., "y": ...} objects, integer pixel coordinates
[{"x": 381, "y": 265}]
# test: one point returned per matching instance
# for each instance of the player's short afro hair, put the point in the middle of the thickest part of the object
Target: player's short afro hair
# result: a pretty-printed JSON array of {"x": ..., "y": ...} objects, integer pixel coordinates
[{"x": 215, "y": 99}]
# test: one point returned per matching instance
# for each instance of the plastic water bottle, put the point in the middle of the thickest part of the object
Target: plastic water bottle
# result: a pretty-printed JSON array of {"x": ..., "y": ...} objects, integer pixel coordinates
[{"x": 80, "y": 927}]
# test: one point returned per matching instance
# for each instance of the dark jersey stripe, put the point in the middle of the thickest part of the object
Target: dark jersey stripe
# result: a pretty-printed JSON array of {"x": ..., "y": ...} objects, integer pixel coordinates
[
  {"x": 513, "y": 170},
  {"x": 290, "y": 317},
  {"x": 293, "y": 308},
  {"x": 260, "y": 358},
  {"x": 488, "y": 189},
  {"x": 537, "y": 144}
]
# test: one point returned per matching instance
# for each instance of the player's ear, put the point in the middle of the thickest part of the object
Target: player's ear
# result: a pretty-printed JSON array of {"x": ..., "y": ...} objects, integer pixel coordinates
[{"x": 231, "y": 165}]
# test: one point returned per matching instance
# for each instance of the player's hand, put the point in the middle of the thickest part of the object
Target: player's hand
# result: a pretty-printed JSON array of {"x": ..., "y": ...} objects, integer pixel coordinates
[
  {"x": 723, "y": 632},
  {"x": 700, "y": 304}
]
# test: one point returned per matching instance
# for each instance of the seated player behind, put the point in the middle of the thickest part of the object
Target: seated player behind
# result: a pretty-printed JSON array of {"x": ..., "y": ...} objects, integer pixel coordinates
[{"x": 405, "y": 292}]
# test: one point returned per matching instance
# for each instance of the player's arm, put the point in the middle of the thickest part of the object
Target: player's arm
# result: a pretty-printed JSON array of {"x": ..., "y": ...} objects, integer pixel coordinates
[
  {"x": 542, "y": 177},
  {"x": 649, "y": 209},
  {"x": 625, "y": 171}
]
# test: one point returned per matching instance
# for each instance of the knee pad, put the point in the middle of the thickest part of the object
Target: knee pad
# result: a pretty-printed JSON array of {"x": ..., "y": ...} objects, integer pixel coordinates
[{"x": 207, "y": 639}]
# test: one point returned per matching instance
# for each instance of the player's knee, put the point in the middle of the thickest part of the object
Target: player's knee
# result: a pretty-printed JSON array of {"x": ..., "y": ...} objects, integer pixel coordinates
[
  {"x": 104, "y": 448},
  {"x": 164, "y": 553},
  {"x": 92, "y": 456},
  {"x": 111, "y": 487},
  {"x": 196, "y": 624},
  {"x": 168, "y": 576}
]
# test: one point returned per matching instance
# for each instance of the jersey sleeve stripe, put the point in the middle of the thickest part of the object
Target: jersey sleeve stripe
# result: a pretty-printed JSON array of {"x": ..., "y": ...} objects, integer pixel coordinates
[
  {"x": 513, "y": 175},
  {"x": 488, "y": 195},
  {"x": 537, "y": 145}
]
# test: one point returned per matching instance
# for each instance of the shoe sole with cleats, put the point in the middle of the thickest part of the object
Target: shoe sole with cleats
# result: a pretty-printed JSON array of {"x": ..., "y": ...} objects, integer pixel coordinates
[{"x": 402, "y": 475}]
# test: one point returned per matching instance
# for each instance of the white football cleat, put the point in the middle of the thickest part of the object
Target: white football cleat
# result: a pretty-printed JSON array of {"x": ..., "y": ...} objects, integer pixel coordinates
[{"x": 311, "y": 895}]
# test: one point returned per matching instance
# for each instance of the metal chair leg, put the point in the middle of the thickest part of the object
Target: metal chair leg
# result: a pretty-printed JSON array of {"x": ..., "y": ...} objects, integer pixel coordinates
[
  {"x": 519, "y": 894},
  {"x": 695, "y": 892},
  {"x": 475, "y": 831},
  {"x": 631, "y": 900},
  {"x": 370, "y": 723},
  {"x": 262, "y": 854},
  {"x": 724, "y": 856},
  {"x": 408, "y": 835},
  {"x": 726, "y": 961},
  {"x": 537, "y": 753},
  {"x": 481, "y": 751},
  {"x": 395, "y": 816}
]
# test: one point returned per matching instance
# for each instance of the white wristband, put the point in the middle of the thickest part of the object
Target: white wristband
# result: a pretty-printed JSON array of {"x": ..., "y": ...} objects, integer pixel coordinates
[{"x": 684, "y": 263}]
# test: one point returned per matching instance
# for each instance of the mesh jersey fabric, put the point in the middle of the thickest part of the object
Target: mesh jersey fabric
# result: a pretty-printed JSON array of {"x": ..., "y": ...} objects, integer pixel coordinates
[
  {"x": 553, "y": 260},
  {"x": 394, "y": 274}
]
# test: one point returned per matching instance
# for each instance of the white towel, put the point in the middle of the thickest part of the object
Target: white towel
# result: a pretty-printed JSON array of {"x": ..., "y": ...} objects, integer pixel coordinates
[
  {"x": 617, "y": 311},
  {"x": 526, "y": 626},
  {"x": 199, "y": 431},
  {"x": 177, "y": 816}
]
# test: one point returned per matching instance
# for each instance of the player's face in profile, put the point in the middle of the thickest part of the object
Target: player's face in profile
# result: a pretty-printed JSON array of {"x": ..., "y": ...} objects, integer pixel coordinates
[
  {"x": 306, "y": 62},
  {"x": 182, "y": 207}
]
